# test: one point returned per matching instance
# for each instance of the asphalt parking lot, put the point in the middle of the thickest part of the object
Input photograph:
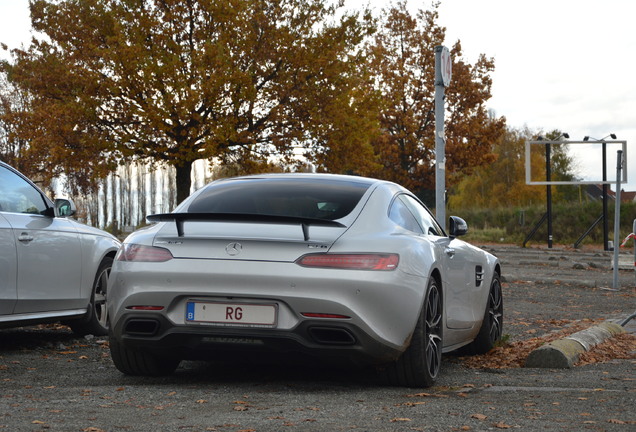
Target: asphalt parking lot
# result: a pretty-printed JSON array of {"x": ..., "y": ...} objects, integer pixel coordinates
[{"x": 52, "y": 381}]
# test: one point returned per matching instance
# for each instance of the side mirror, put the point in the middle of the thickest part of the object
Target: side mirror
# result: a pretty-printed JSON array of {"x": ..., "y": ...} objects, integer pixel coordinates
[
  {"x": 458, "y": 226},
  {"x": 64, "y": 208}
]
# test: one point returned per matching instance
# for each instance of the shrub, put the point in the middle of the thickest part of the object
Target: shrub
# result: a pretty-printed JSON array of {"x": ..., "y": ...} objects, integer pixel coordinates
[{"x": 569, "y": 222}]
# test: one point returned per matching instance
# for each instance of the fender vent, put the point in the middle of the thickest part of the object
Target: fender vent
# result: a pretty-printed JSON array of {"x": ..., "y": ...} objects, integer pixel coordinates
[{"x": 479, "y": 275}]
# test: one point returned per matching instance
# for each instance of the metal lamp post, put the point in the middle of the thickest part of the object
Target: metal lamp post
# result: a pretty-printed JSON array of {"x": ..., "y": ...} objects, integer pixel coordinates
[{"x": 443, "y": 72}]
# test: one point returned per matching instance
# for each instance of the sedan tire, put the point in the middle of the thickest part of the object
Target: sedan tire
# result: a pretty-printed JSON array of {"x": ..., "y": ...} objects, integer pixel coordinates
[
  {"x": 420, "y": 364},
  {"x": 96, "y": 320}
]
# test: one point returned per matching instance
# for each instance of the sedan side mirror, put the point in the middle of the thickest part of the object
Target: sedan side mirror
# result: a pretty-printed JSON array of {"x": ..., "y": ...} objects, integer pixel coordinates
[
  {"x": 458, "y": 226},
  {"x": 64, "y": 207}
]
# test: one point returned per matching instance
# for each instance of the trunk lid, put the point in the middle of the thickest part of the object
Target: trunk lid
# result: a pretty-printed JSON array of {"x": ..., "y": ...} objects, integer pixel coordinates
[{"x": 244, "y": 237}]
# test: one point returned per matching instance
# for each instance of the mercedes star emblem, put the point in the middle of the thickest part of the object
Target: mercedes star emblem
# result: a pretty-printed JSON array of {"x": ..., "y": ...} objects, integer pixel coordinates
[{"x": 233, "y": 249}]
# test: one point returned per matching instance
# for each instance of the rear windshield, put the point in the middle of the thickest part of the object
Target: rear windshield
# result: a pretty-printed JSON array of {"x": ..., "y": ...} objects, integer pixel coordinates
[{"x": 329, "y": 199}]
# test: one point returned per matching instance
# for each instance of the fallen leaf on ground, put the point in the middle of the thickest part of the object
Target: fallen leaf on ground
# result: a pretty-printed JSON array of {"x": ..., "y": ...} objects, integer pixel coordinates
[
  {"x": 616, "y": 421},
  {"x": 618, "y": 347},
  {"x": 514, "y": 354},
  {"x": 427, "y": 395}
]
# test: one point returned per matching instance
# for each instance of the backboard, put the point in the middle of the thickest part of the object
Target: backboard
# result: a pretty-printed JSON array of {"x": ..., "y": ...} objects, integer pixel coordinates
[{"x": 587, "y": 155}]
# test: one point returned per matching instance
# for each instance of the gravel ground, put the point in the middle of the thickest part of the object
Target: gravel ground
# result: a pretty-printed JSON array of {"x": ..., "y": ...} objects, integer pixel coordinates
[{"x": 52, "y": 381}]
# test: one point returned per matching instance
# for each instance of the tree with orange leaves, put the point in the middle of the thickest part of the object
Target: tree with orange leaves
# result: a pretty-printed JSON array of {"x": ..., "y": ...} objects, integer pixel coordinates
[
  {"x": 179, "y": 80},
  {"x": 404, "y": 62}
]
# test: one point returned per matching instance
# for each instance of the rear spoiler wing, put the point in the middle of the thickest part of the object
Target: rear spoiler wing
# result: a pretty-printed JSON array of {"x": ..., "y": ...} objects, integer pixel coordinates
[{"x": 180, "y": 218}]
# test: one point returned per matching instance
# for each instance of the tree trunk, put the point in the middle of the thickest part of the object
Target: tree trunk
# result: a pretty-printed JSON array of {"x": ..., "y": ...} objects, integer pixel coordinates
[
  {"x": 183, "y": 180},
  {"x": 142, "y": 194}
]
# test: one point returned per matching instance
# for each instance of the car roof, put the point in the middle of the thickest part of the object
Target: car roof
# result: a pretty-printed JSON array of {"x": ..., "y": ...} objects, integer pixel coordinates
[{"x": 314, "y": 176}]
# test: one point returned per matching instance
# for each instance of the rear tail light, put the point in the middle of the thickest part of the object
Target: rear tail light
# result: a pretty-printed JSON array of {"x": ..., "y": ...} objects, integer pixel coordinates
[
  {"x": 382, "y": 262},
  {"x": 145, "y": 308},
  {"x": 136, "y": 252}
]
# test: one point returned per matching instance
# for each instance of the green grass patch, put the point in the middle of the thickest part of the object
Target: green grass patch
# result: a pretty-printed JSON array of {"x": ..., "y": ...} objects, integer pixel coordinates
[{"x": 569, "y": 222}]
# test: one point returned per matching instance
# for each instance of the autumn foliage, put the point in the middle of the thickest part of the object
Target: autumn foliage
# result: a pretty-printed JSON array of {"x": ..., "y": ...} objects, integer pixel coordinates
[
  {"x": 177, "y": 81},
  {"x": 252, "y": 84},
  {"x": 502, "y": 183},
  {"x": 402, "y": 56}
]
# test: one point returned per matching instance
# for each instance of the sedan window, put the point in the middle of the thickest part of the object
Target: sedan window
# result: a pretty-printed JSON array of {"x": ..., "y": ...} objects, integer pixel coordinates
[{"x": 19, "y": 196}]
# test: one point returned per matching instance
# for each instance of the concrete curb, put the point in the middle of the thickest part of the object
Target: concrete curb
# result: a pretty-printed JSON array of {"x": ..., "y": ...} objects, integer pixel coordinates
[{"x": 563, "y": 353}]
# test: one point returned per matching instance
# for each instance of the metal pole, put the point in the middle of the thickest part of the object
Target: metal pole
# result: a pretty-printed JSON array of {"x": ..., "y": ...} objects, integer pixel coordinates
[
  {"x": 605, "y": 189},
  {"x": 440, "y": 143},
  {"x": 548, "y": 178},
  {"x": 617, "y": 216}
]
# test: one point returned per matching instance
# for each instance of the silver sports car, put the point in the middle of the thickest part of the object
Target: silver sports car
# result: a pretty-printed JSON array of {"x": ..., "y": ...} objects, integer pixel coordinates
[{"x": 334, "y": 266}]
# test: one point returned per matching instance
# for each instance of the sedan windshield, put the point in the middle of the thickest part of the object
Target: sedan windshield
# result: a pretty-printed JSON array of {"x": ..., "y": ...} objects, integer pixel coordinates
[{"x": 328, "y": 199}]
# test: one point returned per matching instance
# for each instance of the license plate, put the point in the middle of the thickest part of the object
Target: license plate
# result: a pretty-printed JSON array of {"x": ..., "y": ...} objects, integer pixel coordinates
[{"x": 247, "y": 314}]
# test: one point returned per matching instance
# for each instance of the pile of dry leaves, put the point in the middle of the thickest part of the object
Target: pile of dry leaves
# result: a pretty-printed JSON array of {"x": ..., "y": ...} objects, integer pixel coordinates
[{"x": 514, "y": 354}]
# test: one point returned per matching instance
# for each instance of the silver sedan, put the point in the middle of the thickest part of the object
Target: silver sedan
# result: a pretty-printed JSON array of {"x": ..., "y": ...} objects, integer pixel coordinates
[
  {"x": 341, "y": 267},
  {"x": 53, "y": 268}
]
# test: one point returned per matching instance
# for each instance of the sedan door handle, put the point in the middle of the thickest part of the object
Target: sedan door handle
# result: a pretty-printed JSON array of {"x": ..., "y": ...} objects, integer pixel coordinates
[
  {"x": 450, "y": 252},
  {"x": 25, "y": 237}
]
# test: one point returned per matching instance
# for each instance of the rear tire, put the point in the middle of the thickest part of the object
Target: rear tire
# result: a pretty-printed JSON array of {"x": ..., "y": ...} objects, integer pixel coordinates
[
  {"x": 140, "y": 363},
  {"x": 492, "y": 325},
  {"x": 420, "y": 364}
]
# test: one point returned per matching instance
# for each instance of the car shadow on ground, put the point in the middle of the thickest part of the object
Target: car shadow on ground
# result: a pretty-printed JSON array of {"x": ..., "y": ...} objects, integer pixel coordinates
[
  {"x": 304, "y": 371},
  {"x": 31, "y": 344},
  {"x": 48, "y": 336},
  {"x": 307, "y": 374}
]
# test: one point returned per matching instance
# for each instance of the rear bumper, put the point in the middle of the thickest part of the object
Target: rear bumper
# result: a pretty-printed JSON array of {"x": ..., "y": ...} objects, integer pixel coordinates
[
  {"x": 338, "y": 341},
  {"x": 382, "y": 307}
]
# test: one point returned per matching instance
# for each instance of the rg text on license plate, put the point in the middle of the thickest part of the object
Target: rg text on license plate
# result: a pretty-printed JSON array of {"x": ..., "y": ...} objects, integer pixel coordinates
[{"x": 232, "y": 313}]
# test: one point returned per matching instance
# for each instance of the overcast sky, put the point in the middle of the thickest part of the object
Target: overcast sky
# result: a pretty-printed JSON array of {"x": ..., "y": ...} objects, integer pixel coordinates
[{"x": 560, "y": 64}]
